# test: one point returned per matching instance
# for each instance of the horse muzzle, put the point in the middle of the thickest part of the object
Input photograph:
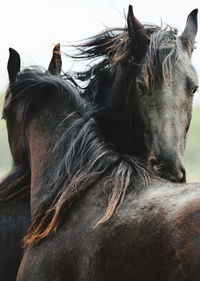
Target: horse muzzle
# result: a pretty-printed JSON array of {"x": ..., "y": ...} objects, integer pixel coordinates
[{"x": 171, "y": 169}]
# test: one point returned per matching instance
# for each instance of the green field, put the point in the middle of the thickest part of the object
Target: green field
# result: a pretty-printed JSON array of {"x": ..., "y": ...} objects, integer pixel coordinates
[
  {"x": 5, "y": 157},
  {"x": 192, "y": 153},
  {"x": 191, "y": 159}
]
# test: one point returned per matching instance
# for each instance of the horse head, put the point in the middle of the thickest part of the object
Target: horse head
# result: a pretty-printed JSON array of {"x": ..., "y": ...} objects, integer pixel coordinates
[
  {"x": 39, "y": 107},
  {"x": 143, "y": 88},
  {"x": 164, "y": 87},
  {"x": 12, "y": 110}
]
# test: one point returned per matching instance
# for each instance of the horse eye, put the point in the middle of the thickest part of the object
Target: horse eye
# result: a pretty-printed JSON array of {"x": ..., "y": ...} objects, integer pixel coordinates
[{"x": 194, "y": 90}]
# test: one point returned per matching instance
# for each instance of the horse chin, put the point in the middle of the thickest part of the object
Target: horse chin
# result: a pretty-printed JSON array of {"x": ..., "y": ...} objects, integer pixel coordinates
[
  {"x": 174, "y": 175},
  {"x": 178, "y": 178}
]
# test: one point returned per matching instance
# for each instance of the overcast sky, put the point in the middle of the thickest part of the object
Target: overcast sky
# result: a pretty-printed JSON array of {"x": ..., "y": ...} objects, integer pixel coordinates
[{"x": 33, "y": 27}]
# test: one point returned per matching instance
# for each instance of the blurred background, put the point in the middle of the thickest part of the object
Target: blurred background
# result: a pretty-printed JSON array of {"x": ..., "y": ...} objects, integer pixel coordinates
[{"x": 33, "y": 27}]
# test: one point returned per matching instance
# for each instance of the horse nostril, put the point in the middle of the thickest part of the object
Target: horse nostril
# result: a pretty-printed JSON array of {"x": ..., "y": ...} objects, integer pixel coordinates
[{"x": 181, "y": 175}]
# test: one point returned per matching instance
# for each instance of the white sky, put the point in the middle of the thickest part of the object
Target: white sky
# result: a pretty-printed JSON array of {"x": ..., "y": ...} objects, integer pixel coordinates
[{"x": 33, "y": 27}]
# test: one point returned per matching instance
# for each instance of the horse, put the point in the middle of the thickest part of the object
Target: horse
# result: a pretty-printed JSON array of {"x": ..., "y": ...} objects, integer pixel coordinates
[
  {"x": 101, "y": 215},
  {"x": 99, "y": 238},
  {"x": 15, "y": 187},
  {"x": 143, "y": 84},
  {"x": 32, "y": 96}
]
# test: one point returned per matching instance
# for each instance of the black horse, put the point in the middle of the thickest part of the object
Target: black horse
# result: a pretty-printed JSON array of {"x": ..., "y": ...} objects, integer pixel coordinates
[
  {"x": 97, "y": 214},
  {"x": 15, "y": 188},
  {"x": 97, "y": 218},
  {"x": 143, "y": 87}
]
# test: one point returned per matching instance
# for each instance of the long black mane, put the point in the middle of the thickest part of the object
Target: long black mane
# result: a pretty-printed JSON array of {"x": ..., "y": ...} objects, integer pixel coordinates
[
  {"x": 108, "y": 49},
  {"x": 85, "y": 157}
]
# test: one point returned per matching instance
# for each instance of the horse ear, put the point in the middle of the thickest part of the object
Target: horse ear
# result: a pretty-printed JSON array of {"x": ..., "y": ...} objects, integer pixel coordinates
[
  {"x": 13, "y": 65},
  {"x": 56, "y": 61},
  {"x": 190, "y": 31},
  {"x": 136, "y": 30}
]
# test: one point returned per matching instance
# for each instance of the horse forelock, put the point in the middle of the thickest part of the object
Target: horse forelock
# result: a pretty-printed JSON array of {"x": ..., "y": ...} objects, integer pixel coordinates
[{"x": 156, "y": 65}]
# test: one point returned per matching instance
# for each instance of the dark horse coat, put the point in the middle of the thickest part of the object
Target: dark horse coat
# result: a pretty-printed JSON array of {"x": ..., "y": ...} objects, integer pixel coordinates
[{"x": 97, "y": 214}]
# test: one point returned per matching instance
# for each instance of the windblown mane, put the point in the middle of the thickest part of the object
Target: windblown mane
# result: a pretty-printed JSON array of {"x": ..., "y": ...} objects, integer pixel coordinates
[
  {"x": 113, "y": 47},
  {"x": 85, "y": 157}
]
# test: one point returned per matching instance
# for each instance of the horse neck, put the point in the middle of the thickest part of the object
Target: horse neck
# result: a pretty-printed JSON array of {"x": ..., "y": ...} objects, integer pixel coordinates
[
  {"x": 43, "y": 133},
  {"x": 15, "y": 139},
  {"x": 119, "y": 121}
]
